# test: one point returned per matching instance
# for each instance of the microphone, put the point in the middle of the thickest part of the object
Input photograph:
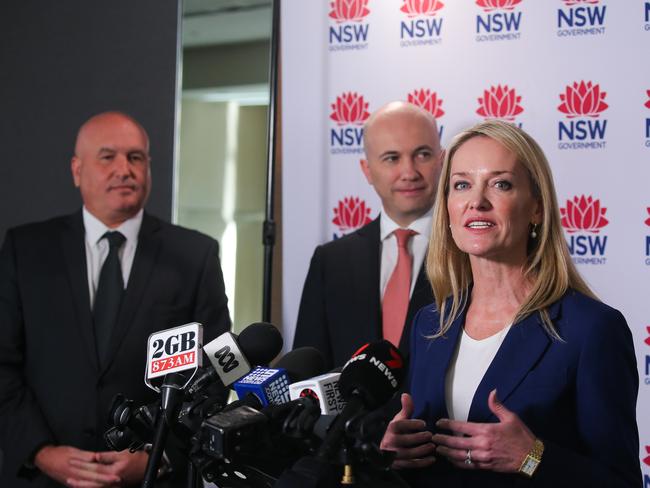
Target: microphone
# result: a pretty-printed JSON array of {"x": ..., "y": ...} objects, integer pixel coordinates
[
  {"x": 171, "y": 354},
  {"x": 174, "y": 350},
  {"x": 323, "y": 389},
  {"x": 231, "y": 356},
  {"x": 263, "y": 406},
  {"x": 368, "y": 380},
  {"x": 271, "y": 385}
]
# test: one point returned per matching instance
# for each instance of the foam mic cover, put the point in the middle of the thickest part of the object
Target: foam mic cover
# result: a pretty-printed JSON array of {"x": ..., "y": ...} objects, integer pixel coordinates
[
  {"x": 302, "y": 363},
  {"x": 231, "y": 356},
  {"x": 260, "y": 342},
  {"x": 368, "y": 380},
  {"x": 374, "y": 373}
]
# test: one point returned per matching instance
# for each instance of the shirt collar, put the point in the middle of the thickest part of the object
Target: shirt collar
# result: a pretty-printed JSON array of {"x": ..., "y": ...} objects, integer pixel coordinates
[
  {"x": 95, "y": 228},
  {"x": 422, "y": 225}
]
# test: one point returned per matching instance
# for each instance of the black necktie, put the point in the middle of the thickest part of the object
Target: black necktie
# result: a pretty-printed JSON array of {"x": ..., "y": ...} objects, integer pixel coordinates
[{"x": 109, "y": 294}]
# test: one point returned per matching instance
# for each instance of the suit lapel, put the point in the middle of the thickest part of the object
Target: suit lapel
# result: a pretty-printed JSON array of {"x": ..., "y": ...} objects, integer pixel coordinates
[
  {"x": 73, "y": 244},
  {"x": 365, "y": 265},
  {"x": 524, "y": 344},
  {"x": 422, "y": 295},
  {"x": 143, "y": 263}
]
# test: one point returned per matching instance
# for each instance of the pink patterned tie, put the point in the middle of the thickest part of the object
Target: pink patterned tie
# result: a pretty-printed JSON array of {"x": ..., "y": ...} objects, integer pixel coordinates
[{"x": 396, "y": 296}]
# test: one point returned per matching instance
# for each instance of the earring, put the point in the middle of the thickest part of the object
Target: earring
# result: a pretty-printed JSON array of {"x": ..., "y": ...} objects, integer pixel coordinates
[{"x": 533, "y": 232}]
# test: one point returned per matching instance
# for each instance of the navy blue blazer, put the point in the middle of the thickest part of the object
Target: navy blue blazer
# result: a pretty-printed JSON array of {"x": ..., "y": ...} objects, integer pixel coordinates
[{"x": 577, "y": 395}]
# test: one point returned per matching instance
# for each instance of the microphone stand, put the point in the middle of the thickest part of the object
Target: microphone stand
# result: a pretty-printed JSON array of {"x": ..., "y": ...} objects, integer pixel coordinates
[{"x": 171, "y": 401}]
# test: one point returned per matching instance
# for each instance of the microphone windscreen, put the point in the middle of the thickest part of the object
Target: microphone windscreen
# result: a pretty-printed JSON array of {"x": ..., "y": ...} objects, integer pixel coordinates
[
  {"x": 302, "y": 363},
  {"x": 260, "y": 342},
  {"x": 374, "y": 372}
]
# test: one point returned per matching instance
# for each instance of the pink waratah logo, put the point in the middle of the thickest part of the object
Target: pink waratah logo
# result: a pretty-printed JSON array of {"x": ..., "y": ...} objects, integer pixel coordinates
[
  {"x": 571, "y": 3},
  {"x": 500, "y": 102},
  {"x": 582, "y": 99},
  {"x": 583, "y": 214},
  {"x": 647, "y": 104},
  {"x": 351, "y": 214},
  {"x": 349, "y": 10},
  {"x": 647, "y": 450},
  {"x": 350, "y": 108},
  {"x": 413, "y": 8},
  {"x": 490, "y": 5},
  {"x": 647, "y": 341},
  {"x": 428, "y": 100},
  {"x": 647, "y": 221}
]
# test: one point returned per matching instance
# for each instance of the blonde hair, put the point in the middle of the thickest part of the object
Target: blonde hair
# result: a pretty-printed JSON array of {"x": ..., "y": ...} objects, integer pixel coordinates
[{"x": 548, "y": 265}]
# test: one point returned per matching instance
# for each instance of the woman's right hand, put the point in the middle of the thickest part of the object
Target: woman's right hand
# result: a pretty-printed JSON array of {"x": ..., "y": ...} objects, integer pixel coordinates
[{"x": 409, "y": 439}]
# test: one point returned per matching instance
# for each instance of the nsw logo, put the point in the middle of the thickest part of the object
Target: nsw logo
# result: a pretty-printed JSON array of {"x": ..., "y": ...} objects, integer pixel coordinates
[
  {"x": 423, "y": 25},
  {"x": 429, "y": 101},
  {"x": 350, "y": 214},
  {"x": 349, "y": 111},
  {"x": 582, "y": 104},
  {"x": 349, "y": 31},
  {"x": 500, "y": 102},
  {"x": 583, "y": 218},
  {"x": 581, "y": 18},
  {"x": 500, "y": 20}
]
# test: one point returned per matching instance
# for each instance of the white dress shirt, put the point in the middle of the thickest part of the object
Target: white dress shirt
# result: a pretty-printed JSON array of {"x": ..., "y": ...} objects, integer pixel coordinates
[
  {"x": 97, "y": 248},
  {"x": 417, "y": 247}
]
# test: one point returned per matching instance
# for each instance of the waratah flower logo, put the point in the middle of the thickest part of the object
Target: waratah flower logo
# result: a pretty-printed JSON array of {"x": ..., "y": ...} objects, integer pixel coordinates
[
  {"x": 582, "y": 99},
  {"x": 500, "y": 102},
  {"x": 428, "y": 100},
  {"x": 490, "y": 5},
  {"x": 349, "y": 10},
  {"x": 647, "y": 221},
  {"x": 583, "y": 214},
  {"x": 647, "y": 341},
  {"x": 647, "y": 450},
  {"x": 570, "y": 3},
  {"x": 647, "y": 104},
  {"x": 351, "y": 214},
  {"x": 350, "y": 108},
  {"x": 413, "y": 8}
]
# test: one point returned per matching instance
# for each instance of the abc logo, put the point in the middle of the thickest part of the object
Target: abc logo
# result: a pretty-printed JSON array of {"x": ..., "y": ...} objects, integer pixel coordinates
[{"x": 226, "y": 358}]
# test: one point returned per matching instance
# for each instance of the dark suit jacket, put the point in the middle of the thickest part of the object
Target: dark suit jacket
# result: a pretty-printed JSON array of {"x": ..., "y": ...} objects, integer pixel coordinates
[
  {"x": 52, "y": 389},
  {"x": 340, "y": 309},
  {"x": 577, "y": 395}
]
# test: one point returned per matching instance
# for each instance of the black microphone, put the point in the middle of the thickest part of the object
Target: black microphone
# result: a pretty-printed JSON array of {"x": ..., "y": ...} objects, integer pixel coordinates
[
  {"x": 368, "y": 380},
  {"x": 231, "y": 356},
  {"x": 270, "y": 386}
]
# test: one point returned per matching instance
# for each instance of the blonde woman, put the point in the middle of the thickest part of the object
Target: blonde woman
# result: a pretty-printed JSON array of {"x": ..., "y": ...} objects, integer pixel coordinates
[{"x": 517, "y": 370}]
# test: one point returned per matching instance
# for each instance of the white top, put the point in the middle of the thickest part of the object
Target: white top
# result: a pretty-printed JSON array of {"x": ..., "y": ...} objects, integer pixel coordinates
[
  {"x": 468, "y": 366},
  {"x": 417, "y": 247},
  {"x": 97, "y": 248}
]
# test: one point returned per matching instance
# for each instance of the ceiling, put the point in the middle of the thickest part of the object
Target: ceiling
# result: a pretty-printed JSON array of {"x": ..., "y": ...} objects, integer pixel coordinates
[{"x": 210, "y": 22}]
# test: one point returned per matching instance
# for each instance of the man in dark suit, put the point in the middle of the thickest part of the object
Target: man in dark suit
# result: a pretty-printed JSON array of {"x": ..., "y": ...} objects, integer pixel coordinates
[
  {"x": 352, "y": 293},
  {"x": 61, "y": 361}
]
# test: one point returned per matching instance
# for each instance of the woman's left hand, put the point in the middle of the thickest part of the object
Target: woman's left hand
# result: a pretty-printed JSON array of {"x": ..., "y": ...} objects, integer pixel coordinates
[{"x": 498, "y": 446}]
